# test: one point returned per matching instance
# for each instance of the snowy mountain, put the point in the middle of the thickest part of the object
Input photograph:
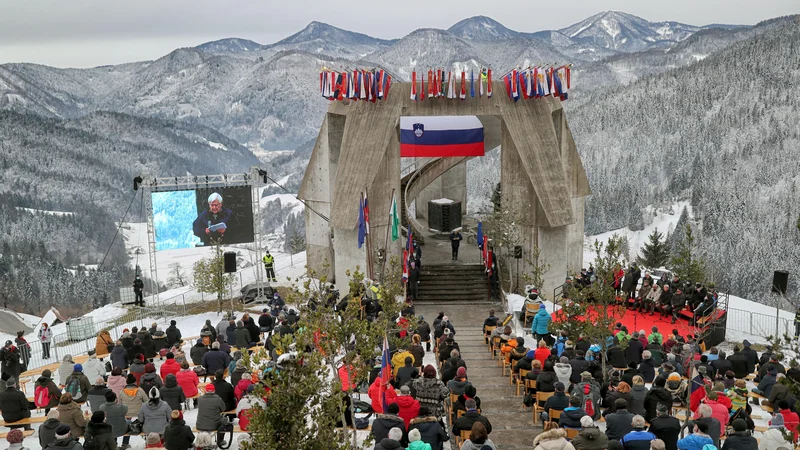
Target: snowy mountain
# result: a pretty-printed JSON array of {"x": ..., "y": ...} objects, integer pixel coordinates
[
  {"x": 483, "y": 29},
  {"x": 230, "y": 45},
  {"x": 321, "y": 38}
]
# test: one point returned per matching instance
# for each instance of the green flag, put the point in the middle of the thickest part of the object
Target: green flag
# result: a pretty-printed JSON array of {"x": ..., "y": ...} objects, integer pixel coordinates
[{"x": 394, "y": 219}]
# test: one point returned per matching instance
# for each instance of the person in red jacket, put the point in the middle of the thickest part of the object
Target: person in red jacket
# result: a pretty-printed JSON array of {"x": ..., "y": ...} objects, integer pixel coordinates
[
  {"x": 170, "y": 366},
  {"x": 409, "y": 408},
  {"x": 241, "y": 386},
  {"x": 719, "y": 388},
  {"x": 374, "y": 389},
  {"x": 347, "y": 375},
  {"x": 188, "y": 380},
  {"x": 790, "y": 418},
  {"x": 542, "y": 352}
]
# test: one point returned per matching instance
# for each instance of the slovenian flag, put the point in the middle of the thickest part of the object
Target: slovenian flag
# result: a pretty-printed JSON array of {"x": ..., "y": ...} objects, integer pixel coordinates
[
  {"x": 386, "y": 373},
  {"x": 441, "y": 136}
]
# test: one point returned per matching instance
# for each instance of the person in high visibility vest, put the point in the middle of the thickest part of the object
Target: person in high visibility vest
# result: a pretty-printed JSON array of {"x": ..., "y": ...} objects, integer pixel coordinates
[{"x": 269, "y": 267}]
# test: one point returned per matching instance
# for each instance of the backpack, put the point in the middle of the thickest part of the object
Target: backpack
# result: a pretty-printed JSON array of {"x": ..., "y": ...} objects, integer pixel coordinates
[
  {"x": 89, "y": 443},
  {"x": 41, "y": 396},
  {"x": 74, "y": 387},
  {"x": 588, "y": 402},
  {"x": 360, "y": 406}
]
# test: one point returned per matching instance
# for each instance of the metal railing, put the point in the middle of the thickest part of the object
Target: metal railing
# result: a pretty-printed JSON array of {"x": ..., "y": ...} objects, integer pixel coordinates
[{"x": 759, "y": 324}]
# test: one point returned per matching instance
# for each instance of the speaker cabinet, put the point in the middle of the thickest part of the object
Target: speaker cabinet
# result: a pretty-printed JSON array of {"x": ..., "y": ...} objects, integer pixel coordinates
[
  {"x": 230, "y": 262},
  {"x": 780, "y": 281},
  {"x": 444, "y": 215}
]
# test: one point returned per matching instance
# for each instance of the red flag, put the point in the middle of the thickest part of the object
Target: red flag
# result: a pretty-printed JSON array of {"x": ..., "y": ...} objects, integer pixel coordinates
[
  {"x": 388, "y": 79},
  {"x": 343, "y": 87},
  {"x": 321, "y": 74},
  {"x": 463, "y": 85},
  {"x": 489, "y": 83},
  {"x": 422, "y": 88},
  {"x": 430, "y": 80}
]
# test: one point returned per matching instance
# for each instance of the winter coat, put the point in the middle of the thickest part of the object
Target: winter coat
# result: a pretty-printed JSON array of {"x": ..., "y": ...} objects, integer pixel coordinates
[
  {"x": 137, "y": 370},
  {"x": 241, "y": 337},
  {"x": 377, "y": 404},
  {"x": 385, "y": 422},
  {"x": 740, "y": 440},
  {"x": 546, "y": 381},
  {"x": 197, "y": 353},
  {"x": 133, "y": 397},
  {"x": 116, "y": 383},
  {"x": 648, "y": 370},
  {"x": 739, "y": 365},
  {"x": 696, "y": 441},
  {"x": 188, "y": 381},
  {"x": 638, "y": 395},
  {"x": 115, "y": 416},
  {"x": 84, "y": 383},
  {"x": 418, "y": 352},
  {"x": 618, "y": 424},
  {"x": 772, "y": 439},
  {"x": 178, "y": 436},
  {"x": 135, "y": 350},
  {"x": 170, "y": 366},
  {"x": 55, "y": 392},
  {"x": 579, "y": 364},
  {"x": 563, "y": 372},
  {"x": 230, "y": 334},
  {"x": 149, "y": 381},
  {"x": 657, "y": 395},
  {"x": 9, "y": 361},
  {"x": 430, "y": 392},
  {"x": 65, "y": 369},
  {"x": 222, "y": 325},
  {"x": 469, "y": 445},
  {"x": 409, "y": 408},
  {"x": 465, "y": 422},
  {"x": 70, "y": 443},
  {"x": 571, "y": 417},
  {"x": 216, "y": 359},
  {"x": 666, "y": 428},
  {"x": 419, "y": 445},
  {"x": 119, "y": 358},
  {"x": 540, "y": 322},
  {"x": 172, "y": 394},
  {"x": 236, "y": 375},
  {"x": 71, "y": 414},
  {"x": 255, "y": 331},
  {"x": 97, "y": 396},
  {"x": 149, "y": 345},
  {"x": 637, "y": 440},
  {"x": 154, "y": 416},
  {"x": 430, "y": 430},
  {"x": 611, "y": 398},
  {"x": 45, "y": 336},
  {"x": 241, "y": 388},
  {"x": 634, "y": 351},
  {"x": 388, "y": 444},
  {"x": 225, "y": 391},
  {"x": 247, "y": 403},
  {"x": 458, "y": 386},
  {"x": 555, "y": 439},
  {"x": 14, "y": 405},
  {"x": 173, "y": 335},
  {"x": 103, "y": 435},
  {"x": 47, "y": 432},
  {"x": 104, "y": 344},
  {"x": 160, "y": 341},
  {"x": 590, "y": 438},
  {"x": 209, "y": 412}
]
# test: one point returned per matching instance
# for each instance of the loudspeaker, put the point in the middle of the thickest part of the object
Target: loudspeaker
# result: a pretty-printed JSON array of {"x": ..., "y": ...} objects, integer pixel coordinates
[
  {"x": 780, "y": 280},
  {"x": 230, "y": 262},
  {"x": 444, "y": 215},
  {"x": 517, "y": 252}
]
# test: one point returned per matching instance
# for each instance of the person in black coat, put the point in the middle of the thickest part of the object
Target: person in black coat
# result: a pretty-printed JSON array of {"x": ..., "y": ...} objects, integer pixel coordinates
[
  {"x": 101, "y": 432},
  {"x": 571, "y": 417},
  {"x": 579, "y": 365},
  {"x": 658, "y": 395},
  {"x": 619, "y": 423},
  {"x": 740, "y": 439},
  {"x": 224, "y": 390},
  {"x": 173, "y": 333},
  {"x": 136, "y": 349},
  {"x": 469, "y": 418},
  {"x": 178, "y": 435},
  {"x": 547, "y": 379},
  {"x": 266, "y": 321},
  {"x": 14, "y": 403},
  {"x": 149, "y": 345},
  {"x": 385, "y": 422},
  {"x": 616, "y": 357},
  {"x": 558, "y": 400},
  {"x": 406, "y": 373},
  {"x": 648, "y": 367},
  {"x": 253, "y": 329},
  {"x": 721, "y": 365},
  {"x": 666, "y": 427},
  {"x": 739, "y": 363},
  {"x": 424, "y": 332},
  {"x": 429, "y": 428},
  {"x": 633, "y": 352},
  {"x": 172, "y": 393},
  {"x": 413, "y": 280},
  {"x": 216, "y": 359}
]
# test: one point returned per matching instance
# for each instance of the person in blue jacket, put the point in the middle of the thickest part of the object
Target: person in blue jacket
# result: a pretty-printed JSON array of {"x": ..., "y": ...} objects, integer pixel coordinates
[
  {"x": 540, "y": 323},
  {"x": 698, "y": 439}
]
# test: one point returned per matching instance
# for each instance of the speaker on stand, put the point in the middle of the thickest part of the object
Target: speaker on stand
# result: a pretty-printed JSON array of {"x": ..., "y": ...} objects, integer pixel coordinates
[
  {"x": 780, "y": 282},
  {"x": 230, "y": 262}
]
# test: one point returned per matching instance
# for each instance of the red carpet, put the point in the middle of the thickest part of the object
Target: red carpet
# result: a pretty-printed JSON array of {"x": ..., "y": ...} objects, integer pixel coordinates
[{"x": 635, "y": 321}]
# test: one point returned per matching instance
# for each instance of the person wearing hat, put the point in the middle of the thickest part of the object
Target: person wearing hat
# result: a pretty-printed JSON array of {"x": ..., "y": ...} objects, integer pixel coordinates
[
  {"x": 116, "y": 417},
  {"x": 178, "y": 435},
  {"x": 386, "y": 421},
  {"x": 392, "y": 441},
  {"x": 64, "y": 440},
  {"x": 458, "y": 384},
  {"x": 170, "y": 366},
  {"x": 154, "y": 416},
  {"x": 136, "y": 349},
  {"x": 150, "y": 379},
  {"x": 65, "y": 368},
  {"x": 209, "y": 412},
  {"x": 698, "y": 438},
  {"x": 248, "y": 402},
  {"x": 47, "y": 430},
  {"x": 153, "y": 440},
  {"x": 132, "y": 396},
  {"x": 767, "y": 382},
  {"x": 429, "y": 429},
  {"x": 430, "y": 391},
  {"x": 100, "y": 432},
  {"x": 70, "y": 414},
  {"x": 590, "y": 437},
  {"x": 774, "y": 437},
  {"x": 666, "y": 427},
  {"x": 173, "y": 333},
  {"x": 172, "y": 394},
  {"x": 225, "y": 390},
  {"x": 96, "y": 395},
  {"x": 741, "y": 438},
  {"x": 587, "y": 389},
  {"x": 14, "y": 403},
  {"x": 198, "y": 351},
  {"x": 541, "y": 322},
  {"x": 45, "y": 382}
]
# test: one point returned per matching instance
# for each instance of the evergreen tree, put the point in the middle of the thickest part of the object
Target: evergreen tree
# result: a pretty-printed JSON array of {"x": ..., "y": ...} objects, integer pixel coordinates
[
  {"x": 677, "y": 237},
  {"x": 687, "y": 264},
  {"x": 655, "y": 252},
  {"x": 636, "y": 221},
  {"x": 497, "y": 197}
]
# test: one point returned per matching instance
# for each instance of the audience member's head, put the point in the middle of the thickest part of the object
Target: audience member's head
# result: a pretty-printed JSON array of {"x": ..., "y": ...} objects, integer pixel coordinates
[
  {"x": 471, "y": 405},
  {"x": 637, "y": 422},
  {"x": 621, "y": 403},
  {"x": 478, "y": 433},
  {"x": 396, "y": 434}
]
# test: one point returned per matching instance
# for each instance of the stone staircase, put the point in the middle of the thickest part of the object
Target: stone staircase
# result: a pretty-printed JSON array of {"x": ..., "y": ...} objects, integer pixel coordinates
[
  {"x": 512, "y": 423},
  {"x": 452, "y": 282}
]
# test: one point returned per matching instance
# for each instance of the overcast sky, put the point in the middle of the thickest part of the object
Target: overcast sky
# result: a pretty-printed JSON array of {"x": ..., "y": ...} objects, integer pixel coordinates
[{"x": 84, "y": 33}]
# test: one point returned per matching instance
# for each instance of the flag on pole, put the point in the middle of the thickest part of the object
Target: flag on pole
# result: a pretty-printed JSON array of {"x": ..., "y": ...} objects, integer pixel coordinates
[
  {"x": 394, "y": 219},
  {"x": 414, "y": 86},
  {"x": 366, "y": 213},
  {"x": 422, "y": 88},
  {"x": 463, "y": 85},
  {"x": 485, "y": 248},
  {"x": 489, "y": 83},
  {"x": 472, "y": 83},
  {"x": 405, "y": 265},
  {"x": 386, "y": 373},
  {"x": 480, "y": 234},
  {"x": 362, "y": 224}
]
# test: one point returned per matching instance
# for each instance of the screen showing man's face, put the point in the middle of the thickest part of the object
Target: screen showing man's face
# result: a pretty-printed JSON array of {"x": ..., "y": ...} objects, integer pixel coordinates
[{"x": 215, "y": 206}]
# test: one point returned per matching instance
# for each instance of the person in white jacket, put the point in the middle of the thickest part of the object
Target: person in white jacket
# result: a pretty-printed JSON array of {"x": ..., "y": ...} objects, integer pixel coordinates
[
  {"x": 93, "y": 367},
  {"x": 773, "y": 438},
  {"x": 45, "y": 337}
]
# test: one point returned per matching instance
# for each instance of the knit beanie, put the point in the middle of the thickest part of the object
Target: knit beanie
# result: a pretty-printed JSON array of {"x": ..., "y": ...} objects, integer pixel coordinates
[
  {"x": 461, "y": 372},
  {"x": 77, "y": 368},
  {"x": 15, "y": 436},
  {"x": 153, "y": 438},
  {"x": 98, "y": 417},
  {"x": 429, "y": 371},
  {"x": 62, "y": 431},
  {"x": 414, "y": 435}
]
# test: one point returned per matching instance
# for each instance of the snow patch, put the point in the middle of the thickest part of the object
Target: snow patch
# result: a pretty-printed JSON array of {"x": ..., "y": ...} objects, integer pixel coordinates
[
  {"x": 47, "y": 212},
  {"x": 218, "y": 146}
]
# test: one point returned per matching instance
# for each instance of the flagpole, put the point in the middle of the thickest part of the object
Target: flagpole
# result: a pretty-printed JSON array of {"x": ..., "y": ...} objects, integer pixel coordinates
[
  {"x": 370, "y": 268},
  {"x": 388, "y": 230}
]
